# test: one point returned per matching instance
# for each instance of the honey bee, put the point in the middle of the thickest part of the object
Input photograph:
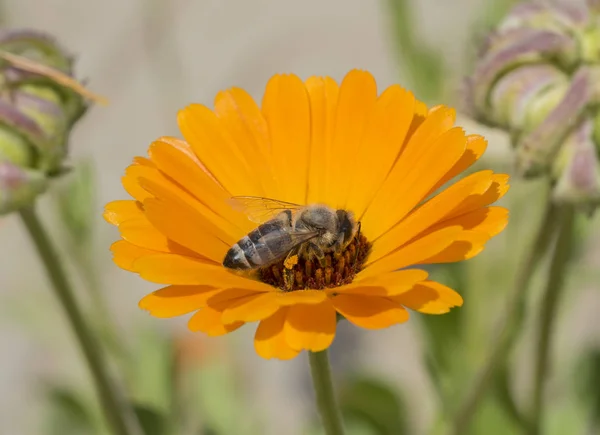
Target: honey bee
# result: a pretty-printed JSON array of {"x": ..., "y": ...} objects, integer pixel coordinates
[{"x": 309, "y": 231}]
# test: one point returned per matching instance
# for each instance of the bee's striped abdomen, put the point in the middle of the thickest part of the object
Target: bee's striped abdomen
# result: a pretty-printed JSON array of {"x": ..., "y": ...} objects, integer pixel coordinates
[{"x": 253, "y": 251}]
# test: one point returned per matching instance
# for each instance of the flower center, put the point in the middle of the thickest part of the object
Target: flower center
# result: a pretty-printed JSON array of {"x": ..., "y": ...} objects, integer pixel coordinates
[{"x": 301, "y": 273}]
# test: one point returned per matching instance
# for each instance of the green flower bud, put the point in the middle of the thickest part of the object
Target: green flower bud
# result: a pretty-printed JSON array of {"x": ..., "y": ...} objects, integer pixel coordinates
[
  {"x": 577, "y": 169},
  {"x": 538, "y": 78},
  {"x": 39, "y": 104}
]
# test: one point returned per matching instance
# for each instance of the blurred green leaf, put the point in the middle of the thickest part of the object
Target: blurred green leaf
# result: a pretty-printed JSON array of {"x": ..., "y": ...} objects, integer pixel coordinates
[
  {"x": 587, "y": 382},
  {"x": 443, "y": 333},
  {"x": 151, "y": 382},
  {"x": 371, "y": 403},
  {"x": 213, "y": 396},
  {"x": 151, "y": 421},
  {"x": 492, "y": 420},
  {"x": 423, "y": 64},
  {"x": 505, "y": 397},
  {"x": 75, "y": 201},
  {"x": 69, "y": 413}
]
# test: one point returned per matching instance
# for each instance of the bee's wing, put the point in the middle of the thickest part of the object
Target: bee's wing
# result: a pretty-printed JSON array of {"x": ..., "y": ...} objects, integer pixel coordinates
[
  {"x": 259, "y": 209},
  {"x": 281, "y": 243}
]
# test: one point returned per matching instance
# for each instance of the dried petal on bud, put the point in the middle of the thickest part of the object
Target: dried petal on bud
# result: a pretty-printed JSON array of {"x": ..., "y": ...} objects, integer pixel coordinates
[
  {"x": 578, "y": 169},
  {"x": 36, "y": 46},
  {"x": 537, "y": 150},
  {"x": 19, "y": 186},
  {"x": 517, "y": 90}
]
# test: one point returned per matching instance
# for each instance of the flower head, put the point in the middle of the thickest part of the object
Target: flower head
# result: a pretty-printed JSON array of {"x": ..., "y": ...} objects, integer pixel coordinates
[
  {"x": 382, "y": 158},
  {"x": 39, "y": 104},
  {"x": 537, "y": 77}
]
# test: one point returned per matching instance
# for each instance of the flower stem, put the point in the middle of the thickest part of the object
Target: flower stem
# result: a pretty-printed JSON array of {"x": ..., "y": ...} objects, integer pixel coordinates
[
  {"x": 326, "y": 403},
  {"x": 107, "y": 393},
  {"x": 548, "y": 314},
  {"x": 509, "y": 325}
]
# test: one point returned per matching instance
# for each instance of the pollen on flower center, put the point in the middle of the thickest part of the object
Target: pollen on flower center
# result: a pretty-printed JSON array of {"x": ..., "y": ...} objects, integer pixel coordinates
[{"x": 335, "y": 270}]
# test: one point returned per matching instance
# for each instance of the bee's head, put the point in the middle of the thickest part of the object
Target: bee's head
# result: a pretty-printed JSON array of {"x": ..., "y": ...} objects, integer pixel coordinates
[{"x": 347, "y": 225}]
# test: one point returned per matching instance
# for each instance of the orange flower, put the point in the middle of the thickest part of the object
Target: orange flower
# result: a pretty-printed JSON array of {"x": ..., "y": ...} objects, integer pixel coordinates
[{"x": 377, "y": 156}]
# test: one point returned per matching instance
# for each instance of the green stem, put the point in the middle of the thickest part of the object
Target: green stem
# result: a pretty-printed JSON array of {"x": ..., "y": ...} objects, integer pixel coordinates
[
  {"x": 107, "y": 393},
  {"x": 326, "y": 403},
  {"x": 548, "y": 314},
  {"x": 100, "y": 308},
  {"x": 509, "y": 326}
]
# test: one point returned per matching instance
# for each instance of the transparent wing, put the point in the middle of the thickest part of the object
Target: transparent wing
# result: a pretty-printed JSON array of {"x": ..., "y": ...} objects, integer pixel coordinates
[
  {"x": 259, "y": 209},
  {"x": 281, "y": 243}
]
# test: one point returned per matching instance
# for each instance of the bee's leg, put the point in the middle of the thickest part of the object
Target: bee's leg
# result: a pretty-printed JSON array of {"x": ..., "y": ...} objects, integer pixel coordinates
[
  {"x": 288, "y": 268},
  {"x": 317, "y": 251}
]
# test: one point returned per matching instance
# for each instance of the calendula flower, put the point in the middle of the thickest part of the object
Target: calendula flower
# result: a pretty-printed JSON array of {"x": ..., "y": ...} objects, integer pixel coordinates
[{"x": 383, "y": 158}]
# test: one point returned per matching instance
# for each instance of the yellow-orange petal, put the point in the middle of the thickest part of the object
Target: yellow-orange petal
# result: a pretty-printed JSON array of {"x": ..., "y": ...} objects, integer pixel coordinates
[
  {"x": 205, "y": 134},
  {"x": 116, "y": 212},
  {"x": 414, "y": 252},
  {"x": 181, "y": 270},
  {"x": 186, "y": 227},
  {"x": 309, "y": 297},
  {"x": 269, "y": 340},
  {"x": 431, "y": 212},
  {"x": 385, "y": 131},
  {"x": 476, "y": 146},
  {"x": 310, "y": 327},
  {"x": 125, "y": 254},
  {"x": 386, "y": 284},
  {"x": 488, "y": 220},
  {"x": 228, "y": 295},
  {"x": 430, "y": 297},
  {"x": 466, "y": 245},
  {"x": 286, "y": 109},
  {"x": 176, "y": 300},
  {"x": 370, "y": 312},
  {"x": 209, "y": 321},
  {"x": 497, "y": 190},
  {"x": 323, "y": 95},
  {"x": 411, "y": 179},
  {"x": 420, "y": 114},
  {"x": 357, "y": 97},
  {"x": 131, "y": 180},
  {"x": 251, "y": 308},
  {"x": 142, "y": 233},
  {"x": 438, "y": 121},
  {"x": 143, "y": 161},
  {"x": 242, "y": 119},
  {"x": 211, "y": 199}
]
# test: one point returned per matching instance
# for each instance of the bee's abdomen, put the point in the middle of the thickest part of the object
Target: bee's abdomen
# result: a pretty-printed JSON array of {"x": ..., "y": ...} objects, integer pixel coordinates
[
  {"x": 252, "y": 251},
  {"x": 236, "y": 258}
]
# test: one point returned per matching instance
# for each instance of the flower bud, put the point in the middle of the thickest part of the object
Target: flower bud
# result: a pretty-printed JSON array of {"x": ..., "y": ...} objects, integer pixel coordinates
[
  {"x": 577, "y": 169},
  {"x": 38, "y": 108},
  {"x": 538, "y": 78}
]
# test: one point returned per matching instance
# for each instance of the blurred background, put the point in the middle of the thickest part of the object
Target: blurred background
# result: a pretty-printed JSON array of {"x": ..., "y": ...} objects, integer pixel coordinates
[{"x": 152, "y": 57}]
